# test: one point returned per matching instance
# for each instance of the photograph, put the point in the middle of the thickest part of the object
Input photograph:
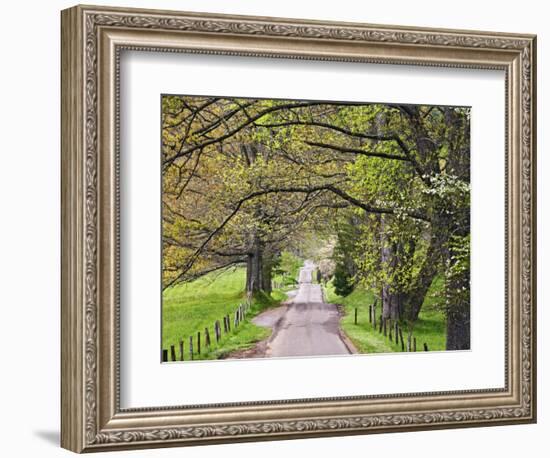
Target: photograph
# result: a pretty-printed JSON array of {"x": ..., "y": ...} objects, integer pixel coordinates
[{"x": 301, "y": 228}]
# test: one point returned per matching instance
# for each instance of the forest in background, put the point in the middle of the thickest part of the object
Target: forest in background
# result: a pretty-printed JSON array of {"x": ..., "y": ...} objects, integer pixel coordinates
[{"x": 378, "y": 194}]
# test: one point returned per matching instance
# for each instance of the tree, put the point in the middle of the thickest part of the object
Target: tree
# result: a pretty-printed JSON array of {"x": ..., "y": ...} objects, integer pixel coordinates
[
  {"x": 244, "y": 176},
  {"x": 413, "y": 172},
  {"x": 217, "y": 212},
  {"x": 345, "y": 269}
]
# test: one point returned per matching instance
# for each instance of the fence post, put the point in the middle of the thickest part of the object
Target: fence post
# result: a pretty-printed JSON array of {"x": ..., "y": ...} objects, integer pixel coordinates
[
  {"x": 181, "y": 350},
  {"x": 401, "y": 338},
  {"x": 425, "y": 346},
  {"x": 191, "y": 348},
  {"x": 409, "y": 342},
  {"x": 225, "y": 324},
  {"x": 164, "y": 355},
  {"x": 206, "y": 337},
  {"x": 228, "y": 323},
  {"x": 381, "y": 324},
  {"x": 414, "y": 343},
  {"x": 390, "y": 336},
  {"x": 370, "y": 313},
  {"x": 218, "y": 330},
  {"x": 374, "y": 315},
  {"x": 355, "y": 315},
  {"x": 173, "y": 352},
  {"x": 385, "y": 326},
  {"x": 198, "y": 342}
]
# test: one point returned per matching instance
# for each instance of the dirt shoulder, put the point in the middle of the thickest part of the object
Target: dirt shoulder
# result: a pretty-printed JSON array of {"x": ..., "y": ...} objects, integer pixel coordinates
[{"x": 269, "y": 319}]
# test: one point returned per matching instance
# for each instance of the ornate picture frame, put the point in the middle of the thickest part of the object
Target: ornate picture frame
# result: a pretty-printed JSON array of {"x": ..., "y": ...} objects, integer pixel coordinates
[{"x": 92, "y": 41}]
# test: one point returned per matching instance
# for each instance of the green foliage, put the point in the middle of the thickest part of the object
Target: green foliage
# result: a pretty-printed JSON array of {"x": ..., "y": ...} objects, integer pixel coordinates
[
  {"x": 343, "y": 256},
  {"x": 288, "y": 267},
  {"x": 190, "y": 307},
  {"x": 343, "y": 282}
]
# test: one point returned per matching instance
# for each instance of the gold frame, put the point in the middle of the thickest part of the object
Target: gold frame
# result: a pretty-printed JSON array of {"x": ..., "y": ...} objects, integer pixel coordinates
[{"x": 92, "y": 39}]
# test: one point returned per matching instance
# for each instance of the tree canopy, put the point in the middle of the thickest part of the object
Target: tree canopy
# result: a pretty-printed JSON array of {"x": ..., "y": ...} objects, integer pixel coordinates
[{"x": 244, "y": 179}]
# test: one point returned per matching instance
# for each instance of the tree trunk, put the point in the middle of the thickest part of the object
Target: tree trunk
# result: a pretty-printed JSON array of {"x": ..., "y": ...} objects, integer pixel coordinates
[
  {"x": 390, "y": 303},
  {"x": 458, "y": 311},
  {"x": 457, "y": 284},
  {"x": 259, "y": 268},
  {"x": 412, "y": 302},
  {"x": 390, "y": 298},
  {"x": 254, "y": 261},
  {"x": 390, "y": 295},
  {"x": 457, "y": 295},
  {"x": 267, "y": 266},
  {"x": 458, "y": 328},
  {"x": 254, "y": 267}
]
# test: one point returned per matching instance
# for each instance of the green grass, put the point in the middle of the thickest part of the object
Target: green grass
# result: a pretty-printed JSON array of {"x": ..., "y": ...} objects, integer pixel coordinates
[
  {"x": 430, "y": 326},
  {"x": 190, "y": 307}
]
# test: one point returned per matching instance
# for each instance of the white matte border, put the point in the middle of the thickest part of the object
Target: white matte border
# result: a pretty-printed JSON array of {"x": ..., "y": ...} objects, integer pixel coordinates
[{"x": 145, "y": 382}]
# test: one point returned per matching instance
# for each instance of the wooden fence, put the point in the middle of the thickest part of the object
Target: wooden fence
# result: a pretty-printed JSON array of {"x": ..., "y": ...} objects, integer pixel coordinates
[
  {"x": 195, "y": 341},
  {"x": 390, "y": 329}
]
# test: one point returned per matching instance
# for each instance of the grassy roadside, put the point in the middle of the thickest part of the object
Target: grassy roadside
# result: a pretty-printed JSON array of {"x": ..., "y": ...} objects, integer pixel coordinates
[
  {"x": 430, "y": 327},
  {"x": 189, "y": 308}
]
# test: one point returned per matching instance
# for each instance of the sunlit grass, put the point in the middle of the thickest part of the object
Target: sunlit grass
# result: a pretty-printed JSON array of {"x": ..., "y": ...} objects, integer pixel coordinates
[
  {"x": 189, "y": 308},
  {"x": 430, "y": 328}
]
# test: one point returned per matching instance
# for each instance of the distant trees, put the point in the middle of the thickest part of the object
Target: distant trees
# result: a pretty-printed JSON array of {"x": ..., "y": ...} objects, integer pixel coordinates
[
  {"x": 345, "y": 255},
  {"x": 243, "y": 177}
]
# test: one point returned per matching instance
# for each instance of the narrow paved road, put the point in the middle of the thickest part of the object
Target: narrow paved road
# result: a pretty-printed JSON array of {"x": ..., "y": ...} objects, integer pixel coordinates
[{"x": 307, "y": 326}]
